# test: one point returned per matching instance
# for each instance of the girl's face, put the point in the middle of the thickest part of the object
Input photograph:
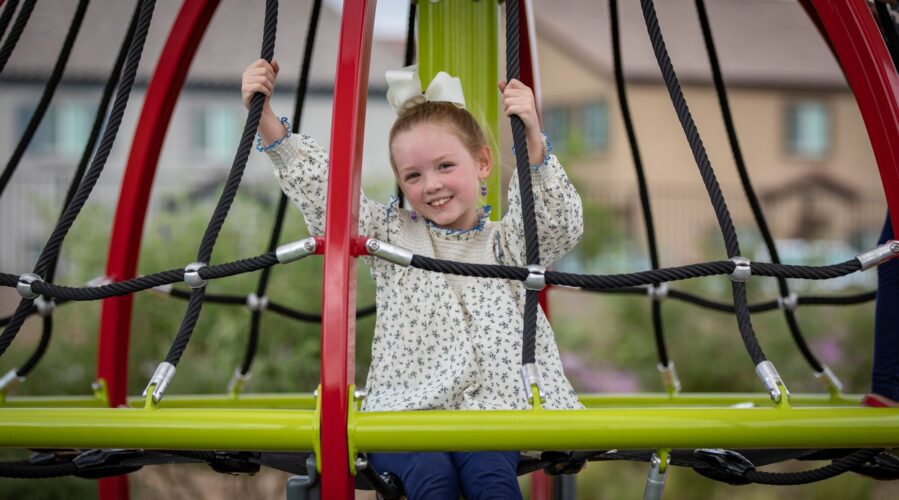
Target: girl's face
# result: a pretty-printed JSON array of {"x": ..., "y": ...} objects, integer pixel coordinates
[{"x": 439, "y": 176}]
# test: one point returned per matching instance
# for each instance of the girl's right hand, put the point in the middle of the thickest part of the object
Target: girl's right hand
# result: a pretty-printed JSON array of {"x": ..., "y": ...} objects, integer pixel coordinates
[{"x": 259, "y": 77}]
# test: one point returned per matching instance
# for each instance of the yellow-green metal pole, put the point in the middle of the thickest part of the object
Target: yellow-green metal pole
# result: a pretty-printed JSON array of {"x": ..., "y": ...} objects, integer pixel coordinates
[{"x": 461, "y": 38}]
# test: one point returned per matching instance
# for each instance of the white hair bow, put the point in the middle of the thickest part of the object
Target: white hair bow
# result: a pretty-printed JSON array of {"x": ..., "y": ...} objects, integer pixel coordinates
[{"x": 404, "y": 89}]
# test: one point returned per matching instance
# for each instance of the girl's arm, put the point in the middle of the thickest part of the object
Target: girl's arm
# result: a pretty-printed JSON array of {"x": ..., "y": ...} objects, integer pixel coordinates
[
  {"x": 260, "y": 77},
  {"x": 559, "y": 213}
]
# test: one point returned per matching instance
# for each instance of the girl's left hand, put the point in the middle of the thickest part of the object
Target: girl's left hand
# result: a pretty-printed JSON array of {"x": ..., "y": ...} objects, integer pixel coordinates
[{"x": 518, "y": 99}]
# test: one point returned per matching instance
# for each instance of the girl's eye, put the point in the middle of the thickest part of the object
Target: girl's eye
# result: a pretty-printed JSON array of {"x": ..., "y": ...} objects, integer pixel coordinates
[
  {"x": 446, "y": 164},
  {"x": 411, "y": 176}
]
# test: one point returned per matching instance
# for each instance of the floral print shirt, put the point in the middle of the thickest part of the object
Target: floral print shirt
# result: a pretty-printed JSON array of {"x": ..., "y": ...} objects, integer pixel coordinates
[{"x": 443, "y": 341}]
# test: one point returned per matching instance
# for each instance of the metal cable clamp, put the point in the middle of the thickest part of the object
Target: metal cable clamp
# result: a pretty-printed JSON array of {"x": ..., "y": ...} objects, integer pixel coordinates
[
  {"x": 530, "y": 376},
  {"x": 44, "y": 306},
  {"x": 24, "y": 285},
  {"x": 878, "y": 254},
  {"x": 655, "y": 481},
  {"x": 192, "y": 275},
  {"x": 771, "y": 379},
  {"x": 788, "y": 303},
  {"x": 742, "y": 269},
  {"x": 295, "y": 250},
  {"x": 657, "y": 292},
  {"x": 160, "y": 381},
  {"x": 829, "y": 379},
  {"x": 10, "y": 378},
  {"x": 388, "y": 252},
  {"x": 238, "y": 380},
  {"x": 256, "y": 303},
  {"x": 669, "y": 377},
  {"x": 536, "y": 279}
]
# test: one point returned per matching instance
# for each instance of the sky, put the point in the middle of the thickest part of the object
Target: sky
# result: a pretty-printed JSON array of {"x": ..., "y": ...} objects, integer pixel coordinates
[{"x": 390, "y": 17}]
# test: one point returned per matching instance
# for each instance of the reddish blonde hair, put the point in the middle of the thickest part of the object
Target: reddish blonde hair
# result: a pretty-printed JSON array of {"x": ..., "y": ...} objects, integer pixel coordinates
[{"x": 463, "y": 123}]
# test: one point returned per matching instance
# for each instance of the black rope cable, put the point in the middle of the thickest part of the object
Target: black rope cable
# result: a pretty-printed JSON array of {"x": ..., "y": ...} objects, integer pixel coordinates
[
  {"x": 93, "y": 174},
  {"x": 227, "y": 197},
  {"x": 888, "y": 31},
  {"x": 643, "y": 190},
  {"x": 99, "y": 118},
  {"x": 835, "y": 468},
  {"x": 757, "y": 212},
  {"x": 16, "y": 32},
  {"x": 46, "y": 334},
  {"x": 47, "y": 97},
  {"x": 27, "y": 470},
  {"x": 6, "y": 16},
  {"x": 299, "y": 100},
  {"x": 522, "y": 163},
  {"x": 728, "y": 231}
]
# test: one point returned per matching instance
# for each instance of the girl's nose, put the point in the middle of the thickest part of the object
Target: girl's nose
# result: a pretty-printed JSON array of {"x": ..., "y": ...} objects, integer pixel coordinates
[{"x": 433, "y": 183}]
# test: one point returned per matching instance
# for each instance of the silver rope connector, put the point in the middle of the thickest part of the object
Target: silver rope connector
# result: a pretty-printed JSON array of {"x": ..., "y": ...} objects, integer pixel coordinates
[
  {"x": 44, "y": 306},
  {"x": 388, "y": 252},
  {"x": 655, "y": 481},
  {"x": 878, "y": 254},
  {"x": 24, "y": 285},
  {"x": 771, "y": 379},
  {"x": 9, "y": 378},
  {"x": 256, "y": 303},
  {"x": 742, "y": 269},
  {"x": 192, "y": 275},
  {"x": 657, "y": 293},
  {"x": 360, "y": 394},
  {"x": 295, "y": 250},
  {"x": 238, "y": 381},
  {"x": 788, "y": 303},
  {"x": 536, "y": 279},
  {"x": 160, "y": 381},
  {"x": 829, "y": 379},
  {"x": 530, "y": 376},
  {"x": 669, "y": 377}
]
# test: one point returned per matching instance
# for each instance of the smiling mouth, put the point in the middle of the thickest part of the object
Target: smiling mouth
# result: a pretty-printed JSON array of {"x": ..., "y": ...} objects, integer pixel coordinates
[{"x": 439, "y": 203}]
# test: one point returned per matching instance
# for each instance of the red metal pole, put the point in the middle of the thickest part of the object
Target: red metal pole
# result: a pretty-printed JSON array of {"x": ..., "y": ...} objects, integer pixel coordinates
[
  {"x": 341, "y": 228},
  {"x": 124, "y": 245},
  {"x": 868, "y": 68}
]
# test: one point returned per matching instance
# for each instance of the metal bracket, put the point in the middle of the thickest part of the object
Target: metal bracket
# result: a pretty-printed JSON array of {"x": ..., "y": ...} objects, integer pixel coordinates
[
  {"x": 742, "y": 270},
  {"x": 388, "y": 252},
  {"x": 829, "y": 379},
  {"x": 238, "y": 381},
  {"x": 772, "y": 381},
  {"x": 295, "y": 250},
  {"x": 9, "y": 379},
  {"x": 24, "y": 285},
  {"x": 530, "y": 377},
  {"x": 655, "y": 481},
  {"x": 536, "y": 279},
  {"x": 878, "y": 254},
  {"x": 160, "y": 381},
  {"x": 669, "y": 377},
  {"x": 192, "y": 275}
]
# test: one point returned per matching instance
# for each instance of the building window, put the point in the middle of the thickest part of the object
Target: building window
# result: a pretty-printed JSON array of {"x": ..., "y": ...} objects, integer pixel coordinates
[
  {"x": 808, "y": 129},
  {"x": 557, "y": 127},
  {"x": 216, "y": 131},
  {"x": 596, "y": 126},
  {"x": 63, "y": 132}
]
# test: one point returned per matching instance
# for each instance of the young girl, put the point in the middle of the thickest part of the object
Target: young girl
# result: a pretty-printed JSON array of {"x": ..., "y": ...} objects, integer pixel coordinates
[{"x": 443, "y": 341}]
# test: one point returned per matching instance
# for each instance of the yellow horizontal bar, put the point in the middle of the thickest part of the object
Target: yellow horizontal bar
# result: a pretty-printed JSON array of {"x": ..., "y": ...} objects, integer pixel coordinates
[
  {"x": 633, "y": 428},
  {"x": 210, "y": 429},
  {"x": 712, "y": 399},
  {"x": 270, "y": 401}
]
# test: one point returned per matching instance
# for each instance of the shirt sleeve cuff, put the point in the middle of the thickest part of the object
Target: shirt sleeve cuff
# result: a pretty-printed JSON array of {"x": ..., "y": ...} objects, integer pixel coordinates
[{"x": 548, "y": 148}]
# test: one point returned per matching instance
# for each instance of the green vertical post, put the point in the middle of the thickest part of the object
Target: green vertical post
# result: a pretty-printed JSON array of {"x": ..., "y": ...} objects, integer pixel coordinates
[{"x": 461, "y": 38}]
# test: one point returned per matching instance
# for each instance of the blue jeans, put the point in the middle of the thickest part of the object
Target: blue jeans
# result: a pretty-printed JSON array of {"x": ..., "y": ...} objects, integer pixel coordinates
[
  {"x": 885, "y": 374},
  {"x": 443, "y": 476}
]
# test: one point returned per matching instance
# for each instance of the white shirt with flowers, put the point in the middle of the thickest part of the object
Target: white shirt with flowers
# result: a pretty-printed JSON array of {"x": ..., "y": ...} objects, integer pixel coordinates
[{"x": 443, "y": 341}]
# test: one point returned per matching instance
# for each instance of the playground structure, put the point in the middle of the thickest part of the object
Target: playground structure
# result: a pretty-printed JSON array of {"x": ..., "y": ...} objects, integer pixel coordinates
[{"x": 329, "y": 425}]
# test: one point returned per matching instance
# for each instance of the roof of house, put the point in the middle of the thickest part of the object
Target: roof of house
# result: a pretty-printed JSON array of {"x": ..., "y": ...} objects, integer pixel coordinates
[
  {"x": 759, "y": 42},
  {"x": 232, "y": 42}
]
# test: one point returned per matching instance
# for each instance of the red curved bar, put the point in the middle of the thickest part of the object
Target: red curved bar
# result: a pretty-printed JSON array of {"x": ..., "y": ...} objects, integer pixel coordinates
[
  {"x": 124, "y": 245},
  {"x": 868, "y": 68},
  {"x": 341, "y": 228}
]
